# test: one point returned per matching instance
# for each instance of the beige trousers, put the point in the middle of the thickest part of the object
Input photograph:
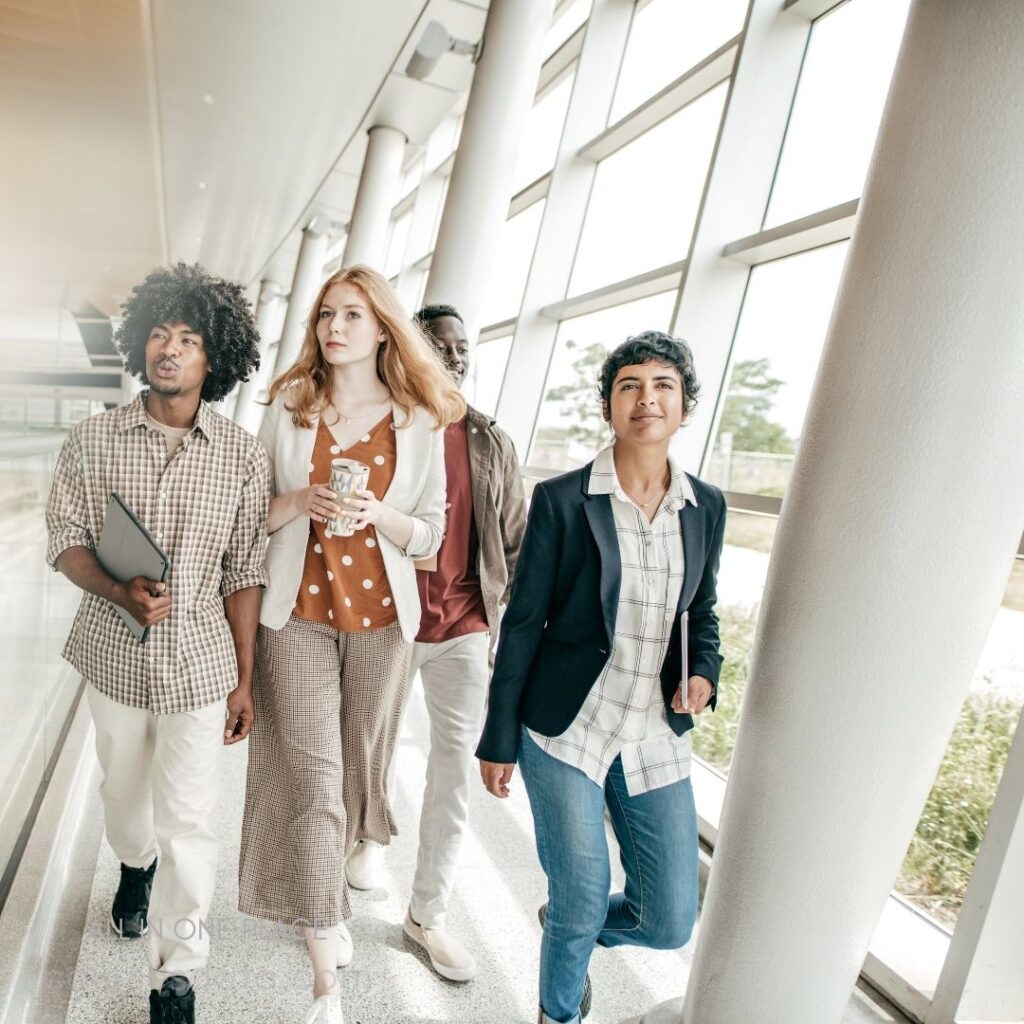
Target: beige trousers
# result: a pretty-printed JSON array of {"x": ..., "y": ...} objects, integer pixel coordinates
[{"x": 159, "y": 792}]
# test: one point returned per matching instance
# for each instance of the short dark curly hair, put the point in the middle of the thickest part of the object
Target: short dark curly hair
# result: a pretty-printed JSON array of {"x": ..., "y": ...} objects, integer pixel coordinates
[
  {"x": 643, "y": 348},
  {"x": 215, "y": 308},
  {"x": 428, "y": 314}
]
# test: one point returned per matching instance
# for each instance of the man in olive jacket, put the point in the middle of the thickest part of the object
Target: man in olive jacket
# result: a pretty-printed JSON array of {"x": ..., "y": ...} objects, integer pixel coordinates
[{"x": 461, "y": 593}]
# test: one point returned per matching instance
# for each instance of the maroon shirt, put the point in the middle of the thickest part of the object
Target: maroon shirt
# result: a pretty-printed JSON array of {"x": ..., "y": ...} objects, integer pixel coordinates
[{"x": 450, "y": 598}]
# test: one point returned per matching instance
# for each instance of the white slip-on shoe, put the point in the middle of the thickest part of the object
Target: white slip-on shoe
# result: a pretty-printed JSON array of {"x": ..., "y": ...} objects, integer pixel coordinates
[
  {"x": 346, "y": 949},
  {"x": 362, "y": 869},
  {"x": 325, "y": 1010},
  {"x": 447, "y": 955}
]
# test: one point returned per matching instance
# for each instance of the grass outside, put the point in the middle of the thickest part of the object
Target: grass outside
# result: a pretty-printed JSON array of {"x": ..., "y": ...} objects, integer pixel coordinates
[{"x": 941, "y": 856}]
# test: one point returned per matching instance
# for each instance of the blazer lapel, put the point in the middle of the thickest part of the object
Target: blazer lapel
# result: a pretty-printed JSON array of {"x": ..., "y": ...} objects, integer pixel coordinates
[
  {"x": 691, "y": 523},
  {"x": 602, "y": 524}
]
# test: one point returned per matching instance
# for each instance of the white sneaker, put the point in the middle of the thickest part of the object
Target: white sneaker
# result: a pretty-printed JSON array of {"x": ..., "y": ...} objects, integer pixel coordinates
[
  {"x": 325, "y": 1010},
  {"x": 345, "y": 946},
  {"x": 362, "y": 869},
  {"x": 447, "y": 955}
]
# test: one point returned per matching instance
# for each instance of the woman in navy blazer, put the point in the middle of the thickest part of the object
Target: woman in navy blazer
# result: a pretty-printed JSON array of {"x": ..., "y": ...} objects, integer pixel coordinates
[{"x": 617, "y": 575}]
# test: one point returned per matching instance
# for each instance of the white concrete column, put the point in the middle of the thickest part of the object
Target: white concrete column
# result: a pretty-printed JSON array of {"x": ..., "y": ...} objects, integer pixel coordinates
[
  {"x": 904, "y": 511},
  {"x": 376, "y": 195},
  {"x": 309, "y": 271},
  {"x": 247, "y": 413},
  {"x": 504, "y": 85}
]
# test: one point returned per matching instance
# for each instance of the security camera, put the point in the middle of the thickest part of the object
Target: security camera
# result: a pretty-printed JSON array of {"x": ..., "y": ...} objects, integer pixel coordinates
[{"x": 433, "y": 45}]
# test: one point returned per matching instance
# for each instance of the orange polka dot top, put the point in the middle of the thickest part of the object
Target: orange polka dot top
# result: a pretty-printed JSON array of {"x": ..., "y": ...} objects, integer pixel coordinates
[{"x": 344, "y": 583}]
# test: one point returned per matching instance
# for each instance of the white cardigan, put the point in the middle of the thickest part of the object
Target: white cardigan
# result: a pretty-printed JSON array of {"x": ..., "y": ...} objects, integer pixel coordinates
[{"x": 417, "y": 489}]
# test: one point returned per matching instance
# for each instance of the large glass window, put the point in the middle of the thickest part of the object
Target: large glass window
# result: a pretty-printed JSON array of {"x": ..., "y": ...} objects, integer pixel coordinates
[
  {"x": 741, "y": 578},
  {"x": 668, "y": 37},
  {"x": 411, "y": 177},
  {"x": 941, "y": 856},
  {"x": 398, "y": 235},
  {"x": 570, "y": 429},
  {"x": 541, "y": 134},
  {"x": 489, "y": 362},
  {"x": 832, "y": 129},
  {"x": 511, "y": 265},
  {"x": 775, "y": 357},
  {"x": 568, "y": 20},
  {"x": 645, "y": 198}
]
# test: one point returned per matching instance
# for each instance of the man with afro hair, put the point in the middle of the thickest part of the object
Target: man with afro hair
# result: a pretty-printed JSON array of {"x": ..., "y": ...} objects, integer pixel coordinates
[{"x": 163, "y": 707}]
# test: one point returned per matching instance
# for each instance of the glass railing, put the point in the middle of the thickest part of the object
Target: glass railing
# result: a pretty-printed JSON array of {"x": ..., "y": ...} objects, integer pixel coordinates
[{"x": 39, "y": 689}]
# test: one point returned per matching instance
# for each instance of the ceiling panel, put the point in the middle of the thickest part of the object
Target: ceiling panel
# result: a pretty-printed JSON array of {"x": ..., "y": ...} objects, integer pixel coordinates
[{"x": 136, "y": 131}]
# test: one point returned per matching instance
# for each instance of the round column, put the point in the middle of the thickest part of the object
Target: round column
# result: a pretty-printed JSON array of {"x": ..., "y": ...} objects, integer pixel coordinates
[
  {"x": 309, "y": 271},
  {"x": 376, "y": 195},
  {"x": 481, "y": 185},
  {"x": 247, "y": 413},
  {"x": 896, "y": 537}
]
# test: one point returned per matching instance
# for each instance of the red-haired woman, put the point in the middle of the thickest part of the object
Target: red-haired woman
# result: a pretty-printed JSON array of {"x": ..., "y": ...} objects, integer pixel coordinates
[{"x": 339, "y": 616}]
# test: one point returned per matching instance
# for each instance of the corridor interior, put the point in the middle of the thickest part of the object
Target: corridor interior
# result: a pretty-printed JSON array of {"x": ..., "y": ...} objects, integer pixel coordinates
[{"x": 258, "y": 973}]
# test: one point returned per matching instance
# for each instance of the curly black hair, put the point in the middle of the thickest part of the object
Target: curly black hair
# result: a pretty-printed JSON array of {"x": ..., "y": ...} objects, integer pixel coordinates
[
  {"x": 215, "y": 308},
  {"x": 428, "y": 314},
  {"x": 643, "y": 348}
]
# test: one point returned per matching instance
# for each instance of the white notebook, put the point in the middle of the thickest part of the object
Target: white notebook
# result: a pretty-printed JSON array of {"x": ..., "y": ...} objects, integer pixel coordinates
[{"x": 125, "y": 550}]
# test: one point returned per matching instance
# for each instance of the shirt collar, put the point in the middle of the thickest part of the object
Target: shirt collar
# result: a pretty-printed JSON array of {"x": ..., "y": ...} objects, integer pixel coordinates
[
  {"x": 134, "y": 415},
  {"x": 604, "y": 480}
]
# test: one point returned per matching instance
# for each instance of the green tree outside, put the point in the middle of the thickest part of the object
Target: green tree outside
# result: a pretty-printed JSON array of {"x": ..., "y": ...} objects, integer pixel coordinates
[{"x": 745, "y": 415}]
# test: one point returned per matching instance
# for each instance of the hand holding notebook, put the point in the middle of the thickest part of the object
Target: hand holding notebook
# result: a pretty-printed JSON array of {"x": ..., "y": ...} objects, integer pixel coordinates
[{"x": 129, "y": 554}]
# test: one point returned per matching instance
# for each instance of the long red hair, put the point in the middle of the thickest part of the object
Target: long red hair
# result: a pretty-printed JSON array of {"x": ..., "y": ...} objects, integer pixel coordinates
[{"x": 407, "y": 362}]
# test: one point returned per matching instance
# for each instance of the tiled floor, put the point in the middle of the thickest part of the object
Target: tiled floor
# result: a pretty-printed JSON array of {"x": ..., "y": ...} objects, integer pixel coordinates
[{"x": 257, "y": 975}]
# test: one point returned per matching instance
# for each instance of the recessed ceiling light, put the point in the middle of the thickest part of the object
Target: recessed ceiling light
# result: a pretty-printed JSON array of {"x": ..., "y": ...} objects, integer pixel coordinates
[
  {"x": 202, "y": 185},
  {"x": 199, "y": 239},
  {"x": 208, "y": 99}
]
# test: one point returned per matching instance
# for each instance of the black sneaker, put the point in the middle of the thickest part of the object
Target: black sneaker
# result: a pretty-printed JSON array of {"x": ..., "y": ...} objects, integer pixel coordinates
[
  {"x": 175, "y": 1003},
  {"x": 131, "y": 904},
  {"x": 588, "y": 990}
]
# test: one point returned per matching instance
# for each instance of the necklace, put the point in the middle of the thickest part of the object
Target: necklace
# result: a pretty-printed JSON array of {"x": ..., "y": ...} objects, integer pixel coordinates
[
  {"x": 349, "y": 420},
  {"x": 659, "y": 494}
]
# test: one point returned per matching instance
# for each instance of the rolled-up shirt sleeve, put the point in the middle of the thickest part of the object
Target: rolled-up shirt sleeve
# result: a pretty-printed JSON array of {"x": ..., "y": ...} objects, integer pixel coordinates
[
  {"x": 67, "y": 510},
  {"x": 243, "y": 564}
]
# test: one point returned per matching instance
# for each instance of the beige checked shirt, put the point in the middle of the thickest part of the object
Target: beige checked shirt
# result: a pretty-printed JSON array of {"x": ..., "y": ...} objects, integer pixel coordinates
[
  {"x": 206, "y": 506},
  {"x": 624, "y": 713}
]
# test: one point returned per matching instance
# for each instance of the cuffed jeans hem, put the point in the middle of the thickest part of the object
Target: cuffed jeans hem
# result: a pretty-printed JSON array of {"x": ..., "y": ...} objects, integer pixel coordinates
[
  {"x": 158, "y": 977},
  {"x": 543, "y": 1018}
]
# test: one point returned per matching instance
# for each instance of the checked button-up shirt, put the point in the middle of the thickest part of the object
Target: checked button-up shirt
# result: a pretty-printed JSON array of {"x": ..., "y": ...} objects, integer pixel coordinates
[
  {"x": 624, "y": 713},
  {"x": 207, "y": 507}
]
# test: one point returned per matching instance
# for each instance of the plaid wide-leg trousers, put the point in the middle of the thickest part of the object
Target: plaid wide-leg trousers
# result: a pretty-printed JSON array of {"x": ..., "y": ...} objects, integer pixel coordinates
[{"x": 327, "y": 716}]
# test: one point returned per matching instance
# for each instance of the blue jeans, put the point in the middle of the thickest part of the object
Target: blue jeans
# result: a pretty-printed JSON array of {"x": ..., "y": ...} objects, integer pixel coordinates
[{"x": 657, "y": 836}]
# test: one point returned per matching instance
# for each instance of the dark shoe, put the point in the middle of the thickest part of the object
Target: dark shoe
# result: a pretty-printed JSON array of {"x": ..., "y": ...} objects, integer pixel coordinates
[
  {"x": 175, "y": 1003},
  {"x": 128, "y": 915},
  {"x": 588, "y": 990}
]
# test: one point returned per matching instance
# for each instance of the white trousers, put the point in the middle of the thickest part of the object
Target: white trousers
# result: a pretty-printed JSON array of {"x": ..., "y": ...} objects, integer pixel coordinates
[
  {"x": 159, "y": 793},
  {"x": 454, "y": 675}
]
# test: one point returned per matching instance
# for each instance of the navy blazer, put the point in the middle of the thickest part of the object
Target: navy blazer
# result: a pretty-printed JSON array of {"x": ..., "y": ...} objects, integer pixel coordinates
[{"x": 558, "y": 629}]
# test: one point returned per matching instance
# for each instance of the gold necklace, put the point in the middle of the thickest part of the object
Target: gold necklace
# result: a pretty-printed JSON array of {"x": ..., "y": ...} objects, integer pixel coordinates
[
  {"x": 350, "y": 419},
  {"x": 656, "y": 494}
]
